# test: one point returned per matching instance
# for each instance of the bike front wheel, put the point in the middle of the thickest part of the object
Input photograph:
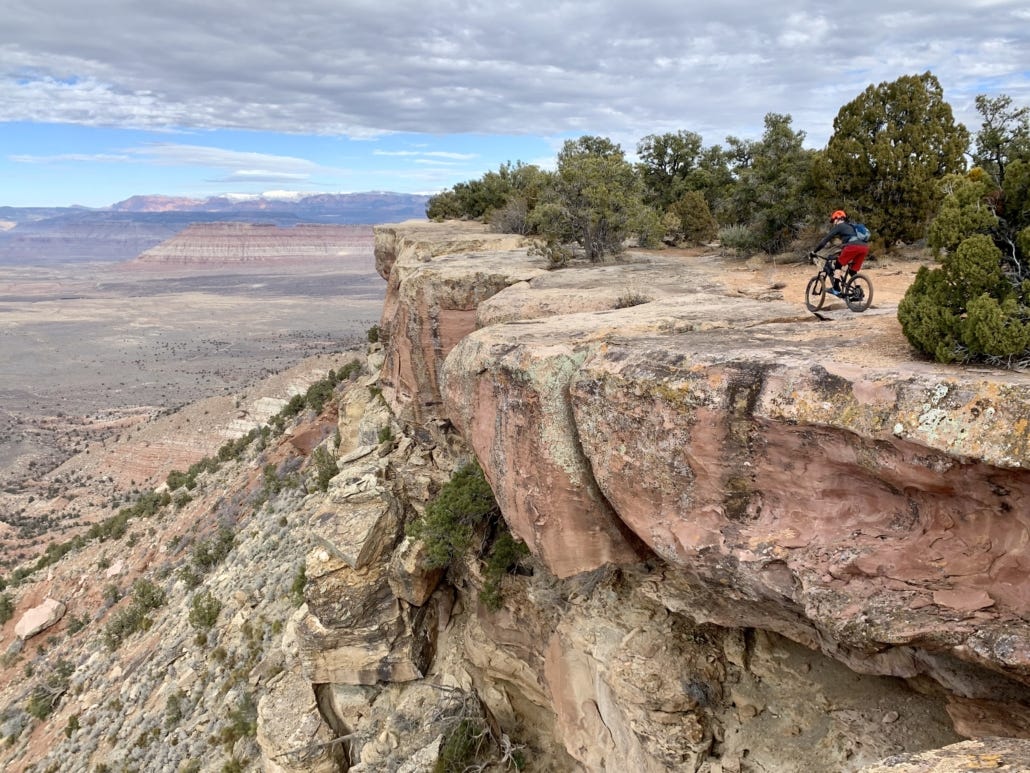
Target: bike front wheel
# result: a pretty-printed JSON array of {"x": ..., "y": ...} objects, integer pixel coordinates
[
  {"x": 859, "y": 293},
  {"x": 815, "y": 293}
]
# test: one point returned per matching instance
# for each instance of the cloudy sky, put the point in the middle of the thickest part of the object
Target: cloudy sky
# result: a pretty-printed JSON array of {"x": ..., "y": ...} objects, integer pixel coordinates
[{"x": 103, "y": 99}]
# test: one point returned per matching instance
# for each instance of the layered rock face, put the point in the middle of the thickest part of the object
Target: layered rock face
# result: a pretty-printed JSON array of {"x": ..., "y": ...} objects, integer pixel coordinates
[
  {"x": 862, "y": 509},
  {"x": 248, "y": 242},
  {"x": 431, "y": 299},
  {"x": 739, "y": 474}
]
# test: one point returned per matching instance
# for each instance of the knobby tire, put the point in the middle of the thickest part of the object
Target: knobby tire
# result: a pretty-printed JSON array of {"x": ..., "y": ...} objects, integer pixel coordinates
[
  {"x": 859, "y": 293},
  {"x": 815, "y": 292}
]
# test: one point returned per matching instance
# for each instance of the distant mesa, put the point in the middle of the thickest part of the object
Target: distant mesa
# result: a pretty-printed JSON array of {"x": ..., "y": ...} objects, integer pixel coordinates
[
  {"x": 156, "y": 204},
  {"x": 122, "y": 231},
  {"x": 368, "y": 208},
  {"x": 220, "y": 243}
]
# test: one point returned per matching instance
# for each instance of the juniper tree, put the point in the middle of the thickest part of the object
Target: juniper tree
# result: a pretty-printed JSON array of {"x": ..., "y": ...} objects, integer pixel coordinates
[
  {"x": 772, "y": 195},
  {"x": 669, "y": 164},
  {"x": 890, "y": 145},
  {"x": 976, "y": 305},
  {"x": 596, "y": 201},
  {"x": 1004, "y": 135}
]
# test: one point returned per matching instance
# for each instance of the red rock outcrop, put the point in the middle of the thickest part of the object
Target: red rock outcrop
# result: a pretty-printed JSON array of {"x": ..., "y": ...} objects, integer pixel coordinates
[
  {"x": 432, "y": 297},
  {"x": 879, "y": 514}
]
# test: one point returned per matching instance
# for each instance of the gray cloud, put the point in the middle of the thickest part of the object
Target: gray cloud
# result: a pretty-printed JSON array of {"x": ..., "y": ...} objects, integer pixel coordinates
[
  {"x": 202, "y": 155},
  {"x": 362, "y": 68}
]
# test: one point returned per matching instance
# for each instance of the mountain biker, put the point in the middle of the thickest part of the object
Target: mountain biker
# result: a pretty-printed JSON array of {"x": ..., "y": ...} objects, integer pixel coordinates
[{"x": 851, "y": 255}]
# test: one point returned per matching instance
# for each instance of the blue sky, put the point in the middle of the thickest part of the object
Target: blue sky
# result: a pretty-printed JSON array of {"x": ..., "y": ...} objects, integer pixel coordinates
[
  {"x": 104, "y": 99},
  {"x": 58, "y": 164}
]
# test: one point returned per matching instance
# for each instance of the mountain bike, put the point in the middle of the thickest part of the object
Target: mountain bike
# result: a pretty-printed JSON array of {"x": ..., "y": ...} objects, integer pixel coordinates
[{"x": 856, "y": 290}]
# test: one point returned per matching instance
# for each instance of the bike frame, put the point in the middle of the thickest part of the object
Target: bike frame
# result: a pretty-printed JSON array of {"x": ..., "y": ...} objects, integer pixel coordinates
[{"x": 857, "y": 295}]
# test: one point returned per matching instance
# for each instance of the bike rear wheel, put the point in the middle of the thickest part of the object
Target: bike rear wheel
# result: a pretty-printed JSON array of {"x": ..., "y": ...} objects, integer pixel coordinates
[
  {"x": 815, "y": 292},
  {"x": 859, "y": 293}
]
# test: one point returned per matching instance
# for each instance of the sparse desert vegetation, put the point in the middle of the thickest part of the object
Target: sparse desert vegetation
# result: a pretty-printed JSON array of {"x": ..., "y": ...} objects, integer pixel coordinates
[{"x": 94, "y": 352}]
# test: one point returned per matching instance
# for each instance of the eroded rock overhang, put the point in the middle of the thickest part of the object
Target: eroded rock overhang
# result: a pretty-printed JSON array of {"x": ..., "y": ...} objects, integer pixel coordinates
[{"x": 877, "y": 511}]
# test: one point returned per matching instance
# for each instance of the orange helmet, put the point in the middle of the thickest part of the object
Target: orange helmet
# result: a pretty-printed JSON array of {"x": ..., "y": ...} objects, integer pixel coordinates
[{"x": 839, "y": 214}]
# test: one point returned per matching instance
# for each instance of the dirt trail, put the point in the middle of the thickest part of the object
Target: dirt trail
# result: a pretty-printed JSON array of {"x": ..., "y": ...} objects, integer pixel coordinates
[{"x": 890, "y": 276}]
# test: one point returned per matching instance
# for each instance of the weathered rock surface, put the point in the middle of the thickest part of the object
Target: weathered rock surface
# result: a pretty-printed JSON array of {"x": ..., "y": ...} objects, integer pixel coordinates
[
  {"x": 39, "y": 618},
  {"x": 355, "y": 522},
  {"x": 411, "y": 577},
  {"x": 1002, "y": 754},
  {"x": 432, "y": 299},
  {"x": 357, "y": 632},
  {"x": 291, "y": 733},
  {"x": 877, "y": 514}
]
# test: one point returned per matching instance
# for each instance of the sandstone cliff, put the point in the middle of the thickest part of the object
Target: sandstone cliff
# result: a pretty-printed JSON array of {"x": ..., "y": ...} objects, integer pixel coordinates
[{"x": 876, "y": 514}]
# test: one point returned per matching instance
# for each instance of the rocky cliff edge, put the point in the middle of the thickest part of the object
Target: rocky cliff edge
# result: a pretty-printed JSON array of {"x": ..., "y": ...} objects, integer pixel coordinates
[{"x": 640, "y": 412}]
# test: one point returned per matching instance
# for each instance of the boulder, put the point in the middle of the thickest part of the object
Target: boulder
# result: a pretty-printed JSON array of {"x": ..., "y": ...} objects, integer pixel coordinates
[
  {"x": 291, "y": 732},
  {"x": 356, "y": 632},
  {"x": 357, "y": 523},
  {"x": 410, "y": 577},
  {"x": 39, "y": 618}
]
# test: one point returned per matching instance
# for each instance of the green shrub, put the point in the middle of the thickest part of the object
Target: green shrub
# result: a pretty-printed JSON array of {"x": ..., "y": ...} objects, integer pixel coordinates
[
  {"x": 505, "y": 556},
  {"x": 204, "y": 610},
  {"x": 963, "y": 212},
  {"x": 208, "y": 553},
  {"x": 318, "y": 394},
  {"x": 242, "y": 722},
  {"x": 351, "y": 369},
  {"x": 325, "y": 467},
  {"x": 112, "y": 593},
  {"x": 694, "y": 219},
  {"x": 631, "y": 298},
  {"x": 174, "y": 710},
  {"x": 740, "y": 239},
  {"x": 6, "y": 608},
  {"x": 967, "y": 308},
  {"x": 996, "y": 329},
  {"x": 461, "y": 746},
  {"x": 300, "y": 581},
  {"x": 293, "y": 407},
  {"x": 464, "y": 504},
  {"x": 45, "y": 696},
  {"x": 273, "y": 483},
  {"x": 190, "y": 577},
  {"x": 123, "y": 624},
  {"x": 177, "y": 479},
  {"x": 464, "y": 508},
  {"x": 146, "y": 596},
  {"x": 41, "y": 703}
]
